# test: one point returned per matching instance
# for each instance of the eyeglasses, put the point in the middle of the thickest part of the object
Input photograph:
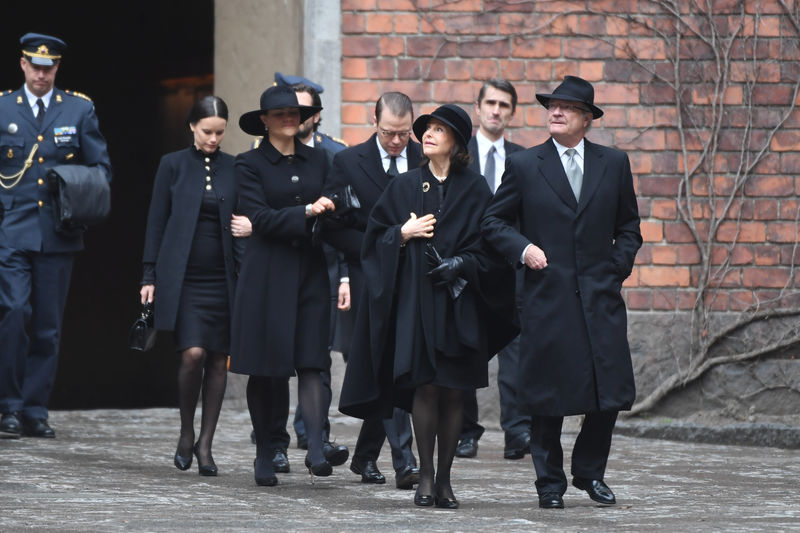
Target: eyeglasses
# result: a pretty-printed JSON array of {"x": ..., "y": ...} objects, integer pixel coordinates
[
  {"x": 402, "y": 135},
  {"x": 567, "y": 108}
]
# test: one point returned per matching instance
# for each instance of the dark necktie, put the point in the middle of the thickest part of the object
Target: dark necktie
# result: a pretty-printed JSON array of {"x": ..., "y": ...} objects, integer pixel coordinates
[
  {"x": 488, "y": 168},
  {"x": 40, "y": 113},
  {"x": 392, "y": 172},
  {"x": 574, "y": 173}
]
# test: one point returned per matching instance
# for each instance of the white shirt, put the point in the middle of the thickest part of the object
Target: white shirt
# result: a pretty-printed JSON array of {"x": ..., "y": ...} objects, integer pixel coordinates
[
  {"x": 484, "y": 145},
  {"x": 32, "y": 99},
  {"x": 386, "y": 159},
  {"x": 562, "y": 154}
]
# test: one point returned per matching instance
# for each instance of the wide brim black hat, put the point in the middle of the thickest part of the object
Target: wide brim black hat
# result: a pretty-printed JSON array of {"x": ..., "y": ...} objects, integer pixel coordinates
[
  {"x": 276, "y": 97},
  {"x": 449, "y": 114},
  {"x": 573, "y": 89}
]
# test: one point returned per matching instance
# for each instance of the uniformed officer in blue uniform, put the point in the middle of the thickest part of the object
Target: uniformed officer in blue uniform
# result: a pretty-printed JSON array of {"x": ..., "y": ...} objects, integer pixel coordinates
[{"x": 40, "y": 127}]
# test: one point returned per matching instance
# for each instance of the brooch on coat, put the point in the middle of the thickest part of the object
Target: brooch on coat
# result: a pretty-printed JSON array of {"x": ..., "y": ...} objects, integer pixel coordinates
[{"x": 426, "y": 186}]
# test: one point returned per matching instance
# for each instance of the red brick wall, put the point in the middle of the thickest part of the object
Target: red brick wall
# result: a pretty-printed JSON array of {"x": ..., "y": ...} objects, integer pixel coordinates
[{"x": 439, "y": 51}]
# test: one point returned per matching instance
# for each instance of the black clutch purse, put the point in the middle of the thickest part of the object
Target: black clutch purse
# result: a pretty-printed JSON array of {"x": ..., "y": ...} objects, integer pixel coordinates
[{"x": 142, "y": 336}]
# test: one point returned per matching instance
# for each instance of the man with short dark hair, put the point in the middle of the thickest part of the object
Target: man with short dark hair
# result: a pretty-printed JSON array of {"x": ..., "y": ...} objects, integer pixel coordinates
[
  {"x": 577, "y": 238},
  {"x": 42, "y": 127},
  {"x": 367, "y": 168},
  {"x": 494, "y": 109}
]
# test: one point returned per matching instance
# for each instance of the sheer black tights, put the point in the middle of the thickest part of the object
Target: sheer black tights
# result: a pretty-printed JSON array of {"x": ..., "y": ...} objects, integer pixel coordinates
[
  {"x": 312, "y": 396},
  {"x": 206, "y": 370},
  {"x": 437, "y": 414}
]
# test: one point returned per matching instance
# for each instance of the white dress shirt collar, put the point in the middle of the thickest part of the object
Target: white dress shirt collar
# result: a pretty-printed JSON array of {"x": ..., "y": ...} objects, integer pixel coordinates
[{"x": 386, "y": 158}]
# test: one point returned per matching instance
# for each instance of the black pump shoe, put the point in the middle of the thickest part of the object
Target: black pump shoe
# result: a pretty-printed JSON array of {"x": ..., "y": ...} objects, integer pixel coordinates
[
  {"x": 443, "y": 502},
  {"x": 209, "y": 469},
  {"x": 182, "y": 462},
  {"x": 423, "y": 500},
  {"x": 323, "y": 469}
]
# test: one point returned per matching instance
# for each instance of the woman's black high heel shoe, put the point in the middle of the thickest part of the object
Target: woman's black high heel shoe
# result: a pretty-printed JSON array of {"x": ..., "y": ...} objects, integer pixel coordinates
[
  {"x": 209, "y": 469},
  {"x": 182, "y": 462},
  {"x": 323, "y": 469},
  {"x": 445, "y": 503},
  {"x": 423, "y": 500}
]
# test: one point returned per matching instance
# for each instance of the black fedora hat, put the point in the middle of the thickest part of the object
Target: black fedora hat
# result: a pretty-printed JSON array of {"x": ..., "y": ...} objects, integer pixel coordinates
[
  {"x": 449, "y": 114},
  {"x": 573, "y": 89},
  {"x": 276, "y": 97}
]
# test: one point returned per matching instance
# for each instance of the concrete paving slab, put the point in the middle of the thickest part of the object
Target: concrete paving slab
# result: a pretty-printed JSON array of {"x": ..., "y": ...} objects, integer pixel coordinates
[{"x": 111, "y": 470}]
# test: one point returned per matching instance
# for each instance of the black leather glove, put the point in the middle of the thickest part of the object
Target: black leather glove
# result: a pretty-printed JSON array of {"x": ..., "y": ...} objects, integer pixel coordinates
[{"x": 447, "y": 271}]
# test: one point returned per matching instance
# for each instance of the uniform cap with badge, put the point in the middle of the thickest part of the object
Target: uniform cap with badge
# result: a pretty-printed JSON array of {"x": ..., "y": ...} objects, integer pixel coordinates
[
  {"x": 42, "y": 50},
  {"x": 289, "y": 81}
]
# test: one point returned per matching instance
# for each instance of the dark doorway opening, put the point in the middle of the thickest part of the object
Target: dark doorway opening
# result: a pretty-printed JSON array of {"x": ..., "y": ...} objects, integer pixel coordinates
[{"x": 142, "y": 63}]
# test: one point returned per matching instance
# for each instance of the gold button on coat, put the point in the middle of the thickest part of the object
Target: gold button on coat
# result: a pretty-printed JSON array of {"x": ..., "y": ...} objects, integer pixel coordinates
[
  {"x": 41, "y": 160},
  {"x": 41, "y": 203},
  {"x": 40, "y": 138},
  {"x": 208, "y": 187},
  {"x": 40, "y": 181}
]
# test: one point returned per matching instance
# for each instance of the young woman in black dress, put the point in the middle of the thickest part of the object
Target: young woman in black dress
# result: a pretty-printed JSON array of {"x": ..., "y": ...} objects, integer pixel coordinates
[{"x": 189, "y": 270}]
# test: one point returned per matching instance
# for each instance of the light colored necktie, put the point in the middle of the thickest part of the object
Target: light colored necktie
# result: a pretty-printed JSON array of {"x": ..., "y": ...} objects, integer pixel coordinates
[
  {"x": 488, "y": 168},
  {"x": 574, "y": 173}
]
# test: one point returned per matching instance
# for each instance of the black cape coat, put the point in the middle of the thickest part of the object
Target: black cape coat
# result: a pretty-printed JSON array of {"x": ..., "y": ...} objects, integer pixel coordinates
[
  {"x": 174, "y": 209},
  {"x": 574, "y": 350},
  {"x": 281, "y": 313},
  {"x": 394, "y": 338}
]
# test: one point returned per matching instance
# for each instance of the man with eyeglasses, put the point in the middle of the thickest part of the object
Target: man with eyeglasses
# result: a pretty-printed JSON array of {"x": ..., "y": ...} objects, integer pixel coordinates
[
  {"x": 367, "y": 168},
  {"x": 494, "y": 109},
  {"x": 577, "y": 238}
]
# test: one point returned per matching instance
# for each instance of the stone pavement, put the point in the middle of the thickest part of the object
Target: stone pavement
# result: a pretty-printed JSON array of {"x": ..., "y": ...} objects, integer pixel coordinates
[{"x": 111, "y": 470}]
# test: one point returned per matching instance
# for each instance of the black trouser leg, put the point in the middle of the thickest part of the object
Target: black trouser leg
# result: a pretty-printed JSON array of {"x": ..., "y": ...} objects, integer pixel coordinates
[
  {"x": 547, "y": 455},
  {"x": 590, "y": 453}
]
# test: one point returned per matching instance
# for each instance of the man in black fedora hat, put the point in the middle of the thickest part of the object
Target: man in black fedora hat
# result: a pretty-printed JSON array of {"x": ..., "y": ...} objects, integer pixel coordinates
[{"x": 577, "y": 237}]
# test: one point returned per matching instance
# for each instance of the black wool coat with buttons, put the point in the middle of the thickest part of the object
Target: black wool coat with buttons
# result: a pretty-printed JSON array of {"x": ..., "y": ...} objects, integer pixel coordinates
[
  {"x": 174, "y": 209},
  {"x": 281, "y": 316}
]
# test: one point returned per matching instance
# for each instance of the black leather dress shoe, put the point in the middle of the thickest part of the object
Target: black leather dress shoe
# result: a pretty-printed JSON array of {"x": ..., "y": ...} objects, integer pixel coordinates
[
  {"x": 10, "y": 427},
  {"x": 368, "y": 471},
  {"x": 336, "y": 454},
  {"x": 406, "y": 477},
  {"x": 467, "y": 447},
  {"x": 37, "y": 427},
  {"x": 443, "y": 502},
  {"x": 551, "y": 500},
  {"x": 597, "y": 490},
  {"x": 280, "y": 462},
  {"x": 517, "y": 447},
  {"x": 264, "y": 477}
]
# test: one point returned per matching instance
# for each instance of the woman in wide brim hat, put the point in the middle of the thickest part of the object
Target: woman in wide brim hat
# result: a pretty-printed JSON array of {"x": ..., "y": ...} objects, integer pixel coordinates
[
  {"x": 276, "y": 97},
  {"x": 280, "y": 317},
  {"x": 573, "y": 89},
  {"x": 423, "y": 255}
]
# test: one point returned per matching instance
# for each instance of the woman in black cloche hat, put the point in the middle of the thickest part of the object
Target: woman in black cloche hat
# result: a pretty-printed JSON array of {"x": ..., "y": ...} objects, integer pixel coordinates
[
  {"x": 281, "y": 310},
  {"x": 425, "y": 339}
]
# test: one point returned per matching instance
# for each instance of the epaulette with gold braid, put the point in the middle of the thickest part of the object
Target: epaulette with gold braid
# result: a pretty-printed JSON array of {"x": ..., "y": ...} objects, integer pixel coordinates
[
  {"x": 3, "y": 93},
  {"x": 79, "y": 95},
  {"x": 340, "y": 141}
]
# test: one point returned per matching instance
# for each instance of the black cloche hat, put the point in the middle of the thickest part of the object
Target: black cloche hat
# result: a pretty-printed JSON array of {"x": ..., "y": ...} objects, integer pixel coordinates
[
  {"x": 449, "y": 114},
  {"x": 40, "y": 49},
  {"x": 276, "y": 97},
  {"x": 573, "y": 89}
]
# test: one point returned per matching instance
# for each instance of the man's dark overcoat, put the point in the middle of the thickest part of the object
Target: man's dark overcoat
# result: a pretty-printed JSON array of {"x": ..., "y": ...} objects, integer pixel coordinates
[
  {"x": 281, "y": 315},
  {"x": 360, "y": 167},
  {"x": 394, "y": 342},
  {"x": 574, "y": 349},
  {"x": 171, "y": 221}
]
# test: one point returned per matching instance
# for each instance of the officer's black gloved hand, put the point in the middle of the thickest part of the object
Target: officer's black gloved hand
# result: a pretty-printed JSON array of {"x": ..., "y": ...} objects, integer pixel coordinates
[{"x": 447, "y": 271}]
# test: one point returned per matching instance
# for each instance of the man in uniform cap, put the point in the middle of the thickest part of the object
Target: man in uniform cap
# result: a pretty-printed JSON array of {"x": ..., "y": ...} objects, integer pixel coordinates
[{"x": 41, "y": 126}]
